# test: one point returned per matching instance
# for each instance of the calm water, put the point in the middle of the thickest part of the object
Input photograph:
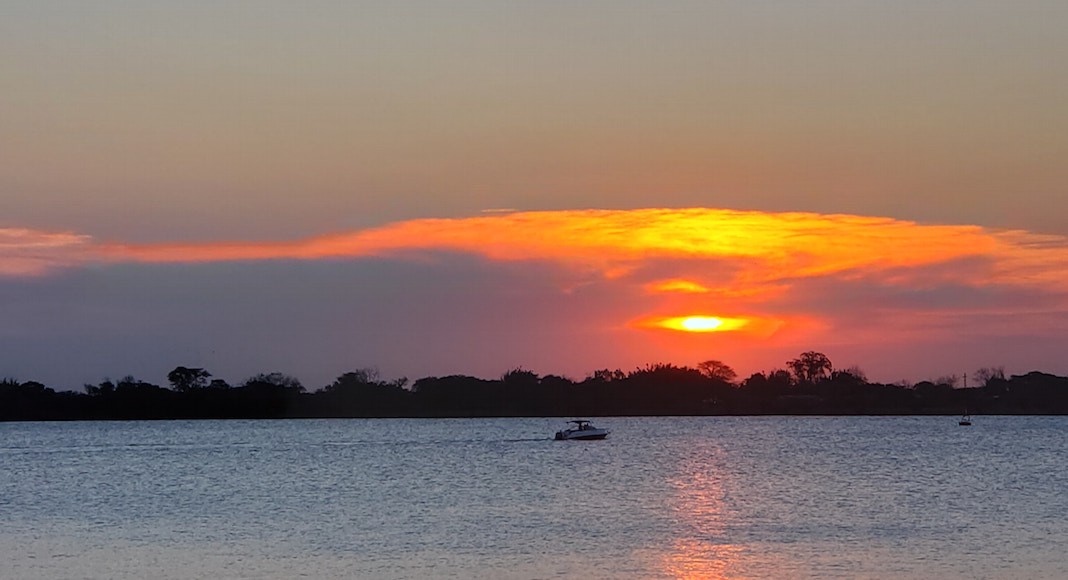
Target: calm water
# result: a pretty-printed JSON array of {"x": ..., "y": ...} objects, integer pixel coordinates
[{"x": 880, "y": 497}]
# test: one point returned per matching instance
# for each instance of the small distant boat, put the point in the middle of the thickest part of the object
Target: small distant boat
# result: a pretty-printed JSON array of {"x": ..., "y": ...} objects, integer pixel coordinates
[
  {"x": 581, "y": 429},
  {"x": 965, "y": 420}
]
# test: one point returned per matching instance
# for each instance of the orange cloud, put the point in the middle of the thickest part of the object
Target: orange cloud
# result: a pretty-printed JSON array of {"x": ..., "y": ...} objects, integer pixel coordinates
[
  {"x": 730, "y": 253},
  {"x": 772, "y": 279},
  {"x": 785, "y": 244},
  {"x": 676, "y": 285}
]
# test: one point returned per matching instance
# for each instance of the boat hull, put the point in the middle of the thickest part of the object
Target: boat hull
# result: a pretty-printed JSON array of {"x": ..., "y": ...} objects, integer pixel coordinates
[{"x": 581, "y": 435}]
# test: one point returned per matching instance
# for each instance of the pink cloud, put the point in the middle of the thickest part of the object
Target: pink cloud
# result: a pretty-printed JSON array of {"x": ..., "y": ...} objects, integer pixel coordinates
[{"x": 25, "y": 252}]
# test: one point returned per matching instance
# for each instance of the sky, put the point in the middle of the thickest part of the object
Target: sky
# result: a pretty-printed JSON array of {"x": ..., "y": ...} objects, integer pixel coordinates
[{"x": 469, "y": 187}]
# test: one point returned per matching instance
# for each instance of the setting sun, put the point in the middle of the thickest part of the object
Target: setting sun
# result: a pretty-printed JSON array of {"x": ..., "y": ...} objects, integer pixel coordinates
[{"x": 700, "y": 323}]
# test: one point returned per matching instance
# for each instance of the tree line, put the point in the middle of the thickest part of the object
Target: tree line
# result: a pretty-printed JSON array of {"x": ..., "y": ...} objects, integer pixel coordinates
[{"x": 807, "y": 385}]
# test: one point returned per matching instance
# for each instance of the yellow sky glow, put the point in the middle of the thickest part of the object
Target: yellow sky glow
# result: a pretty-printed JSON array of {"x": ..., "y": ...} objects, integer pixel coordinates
[
  {"x": 683, "y": 261},
  {"x": 702, "y": 323},
  {"x": 786, "y": 243},
  {"x": 728, "y": 252},
  {"x": 676, "y": 285}
]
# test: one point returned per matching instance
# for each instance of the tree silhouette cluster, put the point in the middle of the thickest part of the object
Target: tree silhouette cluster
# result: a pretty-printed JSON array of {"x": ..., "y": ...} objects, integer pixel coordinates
[{"x": 809, "y": 385}]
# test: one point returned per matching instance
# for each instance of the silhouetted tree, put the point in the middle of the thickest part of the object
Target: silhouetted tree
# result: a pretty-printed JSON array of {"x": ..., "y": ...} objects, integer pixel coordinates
[
  {"x": 218, "y": 384},
  {"x": 715, "y": 369},
  {"x": 665, "y": 389},
  {"x": 811, "y": 367},
  {"x": 32, "y": 401},
  {"x": 852, "y": 374},
  {"x": 780, "y": 376},
  {"x": 520, "y": 377},
  {"x": 459, "y": 396},
  {"x": 105, "y": 388},
  {"x": 35, "y": 387},
  {"x": 274, "y": 381},
  {"x": 352, "y": 380},
  {"x": 361, "y": 393},
  {"x": 185, "y": 379},
  {"x": 766, "y": 388},
  {"x": 268, "y": 395},
  {"x": 605, "y": 375},
  {"x": 936, "y": 395},
  {"x": 947, "y": 380},
  {"x": 986, "y": 375}
]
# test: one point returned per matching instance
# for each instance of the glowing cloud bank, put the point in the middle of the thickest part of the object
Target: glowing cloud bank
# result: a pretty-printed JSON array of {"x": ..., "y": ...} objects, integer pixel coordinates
[
  {"x": 737, "y": 252},
  {"x": 735, "y": 265},
  {"x": 768, "y": 246},
  {"x": 785, "y": 244}
]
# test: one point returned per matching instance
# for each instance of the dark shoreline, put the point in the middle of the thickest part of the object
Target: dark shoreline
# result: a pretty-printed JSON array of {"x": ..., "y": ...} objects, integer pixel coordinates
[{"x": 653, "y": 392}]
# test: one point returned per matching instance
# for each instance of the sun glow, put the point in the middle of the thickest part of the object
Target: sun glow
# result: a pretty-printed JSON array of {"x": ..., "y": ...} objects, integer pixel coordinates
[{"x": 702, "y": 323}]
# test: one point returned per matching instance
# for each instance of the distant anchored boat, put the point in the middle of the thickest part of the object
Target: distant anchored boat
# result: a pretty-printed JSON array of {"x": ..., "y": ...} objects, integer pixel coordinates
[
  {"x": 965, "y": 420},
  {"x": 581, "y": 429}
]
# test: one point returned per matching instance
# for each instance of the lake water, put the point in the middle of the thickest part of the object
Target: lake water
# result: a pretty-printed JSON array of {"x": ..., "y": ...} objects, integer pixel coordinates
[{"x": 741, "y": 497}]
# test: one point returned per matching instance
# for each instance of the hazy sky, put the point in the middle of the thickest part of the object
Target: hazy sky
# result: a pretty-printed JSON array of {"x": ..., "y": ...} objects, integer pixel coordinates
[{"x": 302, "y": 187}]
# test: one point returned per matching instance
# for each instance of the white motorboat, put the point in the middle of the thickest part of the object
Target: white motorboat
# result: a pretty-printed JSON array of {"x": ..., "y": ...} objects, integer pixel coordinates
[{"x": 581, "y": 429}]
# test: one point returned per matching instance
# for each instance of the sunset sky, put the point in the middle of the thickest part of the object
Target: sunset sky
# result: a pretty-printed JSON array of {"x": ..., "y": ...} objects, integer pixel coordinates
[{"x": 434, "y": 188}]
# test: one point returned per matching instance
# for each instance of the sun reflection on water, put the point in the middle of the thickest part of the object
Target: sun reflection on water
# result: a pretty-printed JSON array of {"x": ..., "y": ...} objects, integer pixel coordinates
[{"x": 703, "y": 549}]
